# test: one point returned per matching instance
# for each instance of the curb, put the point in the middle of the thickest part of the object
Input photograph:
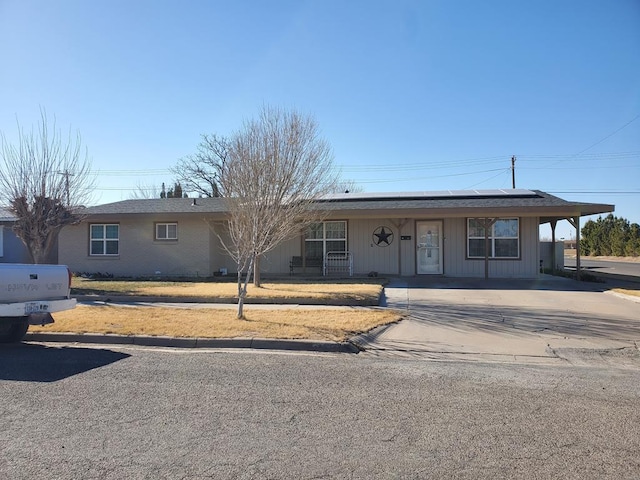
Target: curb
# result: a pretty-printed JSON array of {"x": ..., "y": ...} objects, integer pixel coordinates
[
  {"x": 625, "y": 296},
  {"x": 175, "y": 342},
  {"x": 607, "y": 275},
  {"x": 228, "y": 300}
]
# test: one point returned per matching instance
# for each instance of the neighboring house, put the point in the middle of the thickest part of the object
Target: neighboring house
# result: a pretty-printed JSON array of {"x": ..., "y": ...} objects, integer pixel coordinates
[
  {"x": 12, "y": 250},
  {"x": 406, "y": 234}
]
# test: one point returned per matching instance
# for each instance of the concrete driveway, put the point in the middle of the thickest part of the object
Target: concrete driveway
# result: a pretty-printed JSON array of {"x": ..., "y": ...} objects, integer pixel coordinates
[{"x": 550, "y": 320}]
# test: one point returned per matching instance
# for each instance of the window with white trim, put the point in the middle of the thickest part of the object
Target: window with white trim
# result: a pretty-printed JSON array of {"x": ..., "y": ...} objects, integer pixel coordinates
[
  {"x": 504, "y": 238},
  {"x": 325, "y": 237},
  {"x": 166, "y": 231},
  {"x": 104, "y": 239}
]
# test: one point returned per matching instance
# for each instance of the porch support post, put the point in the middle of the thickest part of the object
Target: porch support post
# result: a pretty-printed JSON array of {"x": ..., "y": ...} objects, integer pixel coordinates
[
  {"x": 399, "y": 224},
  {"x": 553, "y": 246},
  {"x": 486, "y": 223},
  {"x": 575, "y": 222},
  {"x": 486, "y": 250}
]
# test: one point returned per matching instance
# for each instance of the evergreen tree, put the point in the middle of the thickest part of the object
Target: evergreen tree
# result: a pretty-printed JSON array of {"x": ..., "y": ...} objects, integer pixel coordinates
[{"x": 610, "y": 236}]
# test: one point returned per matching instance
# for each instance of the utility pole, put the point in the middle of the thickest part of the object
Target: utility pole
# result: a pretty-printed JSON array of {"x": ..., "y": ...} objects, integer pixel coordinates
[
  {"x": 66, "y": 174},
  {"x": 513, "y": 171}
]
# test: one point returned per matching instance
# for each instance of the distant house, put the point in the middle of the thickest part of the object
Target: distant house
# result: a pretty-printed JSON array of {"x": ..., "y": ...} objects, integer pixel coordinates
[
  {"x": 468, "y": 233},
  {"x": 12, "y": 250}
]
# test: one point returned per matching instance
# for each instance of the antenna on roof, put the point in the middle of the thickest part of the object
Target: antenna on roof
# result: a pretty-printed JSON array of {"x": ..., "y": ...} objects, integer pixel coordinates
[
  {"x": 513, "y": 171},
  {"x": 193, "y": 204}
]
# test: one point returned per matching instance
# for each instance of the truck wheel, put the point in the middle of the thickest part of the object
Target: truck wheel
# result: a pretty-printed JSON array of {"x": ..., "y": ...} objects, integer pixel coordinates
[{"x": 13, "y": 329}]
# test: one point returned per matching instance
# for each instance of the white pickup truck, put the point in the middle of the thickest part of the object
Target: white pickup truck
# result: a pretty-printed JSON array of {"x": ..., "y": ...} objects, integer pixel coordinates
[{"x": 29, "y": 294}]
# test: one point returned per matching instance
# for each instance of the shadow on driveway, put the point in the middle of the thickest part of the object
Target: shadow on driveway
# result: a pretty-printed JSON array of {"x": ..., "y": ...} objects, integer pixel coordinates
[
  {"x": 522, "y": 321},
  {"x": 547, "y": 306},
  {"x": 545, "y": 282}
]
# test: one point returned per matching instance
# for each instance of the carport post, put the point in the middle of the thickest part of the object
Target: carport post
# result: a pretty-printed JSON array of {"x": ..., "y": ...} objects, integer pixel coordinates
[
  {"x": 577, "y": 219},
  {"x": 575, "y": 223},
  {"x": 553, "y": 246}
]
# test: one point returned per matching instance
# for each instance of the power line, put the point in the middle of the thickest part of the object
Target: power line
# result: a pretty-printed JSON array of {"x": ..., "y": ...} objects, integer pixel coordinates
[
  {"x": 610, "y": 135},
  {"x": 605, "y": 167},
  {"x": 632, "y": 154},
  {"x": 127, "y": 173},
  {"x": 574, "y": 156},
  {"x": 422, "y": 165},
  {"x": 486, "y": 180},
  {"x": 522, "y": 158},
  {"x": 501, "y": 170}
]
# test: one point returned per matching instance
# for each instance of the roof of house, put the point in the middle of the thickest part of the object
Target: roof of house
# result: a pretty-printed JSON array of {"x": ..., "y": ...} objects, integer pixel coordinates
[
  {"x": 466, "y": 202},
  {"x": 6, "y": 216},
  {"x": 449, "y": 202},
  {"x": 436, "y": 194},
  {"x": 160, "y": 205}
]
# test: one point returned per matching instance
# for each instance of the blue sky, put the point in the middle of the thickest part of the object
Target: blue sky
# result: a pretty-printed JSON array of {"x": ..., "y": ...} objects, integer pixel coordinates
[{"x": 412, "y": 95}]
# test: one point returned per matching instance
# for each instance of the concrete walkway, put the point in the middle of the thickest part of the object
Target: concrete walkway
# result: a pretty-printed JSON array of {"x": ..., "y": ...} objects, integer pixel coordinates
[{"x": 551, "y": 320}]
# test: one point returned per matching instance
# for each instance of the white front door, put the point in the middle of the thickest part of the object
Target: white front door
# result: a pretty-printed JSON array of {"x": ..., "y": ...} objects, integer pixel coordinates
[{"x": 429, "y": 243}]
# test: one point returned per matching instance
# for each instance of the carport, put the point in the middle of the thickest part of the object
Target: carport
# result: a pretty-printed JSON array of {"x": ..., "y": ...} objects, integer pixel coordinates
[{"x": 575, "y": 210}]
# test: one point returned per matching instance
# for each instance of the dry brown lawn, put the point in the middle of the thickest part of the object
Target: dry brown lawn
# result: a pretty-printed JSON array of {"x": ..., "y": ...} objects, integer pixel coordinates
[
  {"x": 626, "y": 291},
  {"x": 269, "y": 291},
  {"x": 335, "y": 324}
]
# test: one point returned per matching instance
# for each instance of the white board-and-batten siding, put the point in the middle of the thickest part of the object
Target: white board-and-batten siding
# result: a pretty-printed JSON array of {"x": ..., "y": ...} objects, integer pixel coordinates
[
  {"x": 399, "y": 258},
  {"x": 456, "y": 263}
]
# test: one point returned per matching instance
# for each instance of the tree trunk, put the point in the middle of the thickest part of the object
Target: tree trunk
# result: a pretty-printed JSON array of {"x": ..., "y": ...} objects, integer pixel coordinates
[
  {"x": 39, "y": 251},
  {"x": 242, "y": 287},
  {"x": 240, "y": 298},
  {"x": 257, "y": 281}
]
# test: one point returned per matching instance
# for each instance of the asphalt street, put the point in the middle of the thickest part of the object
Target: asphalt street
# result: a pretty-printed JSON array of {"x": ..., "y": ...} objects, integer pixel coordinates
[
  {"x": 70, "y": 412},
  {"x": 631, "y": 269}
]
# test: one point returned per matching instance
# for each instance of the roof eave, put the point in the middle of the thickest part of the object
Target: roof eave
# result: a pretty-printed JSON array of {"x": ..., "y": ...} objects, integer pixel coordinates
[{"x": 540, "y": 211}]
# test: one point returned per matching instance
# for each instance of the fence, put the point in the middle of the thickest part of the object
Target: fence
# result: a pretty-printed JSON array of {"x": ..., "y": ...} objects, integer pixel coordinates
[{"x": 338, "y": 263}]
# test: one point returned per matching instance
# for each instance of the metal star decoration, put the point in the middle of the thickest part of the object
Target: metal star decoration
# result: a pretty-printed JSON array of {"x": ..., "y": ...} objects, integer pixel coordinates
[{"x": 382, "y": 237}]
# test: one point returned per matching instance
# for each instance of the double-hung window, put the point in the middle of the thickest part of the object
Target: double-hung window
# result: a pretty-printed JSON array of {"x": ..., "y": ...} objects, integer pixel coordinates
[
  {"x": 166, "y": 231},
  {"x": 104, "y": 239},
  {"x": 504, "y": 238},
  {"x": 324, "y": 237}
]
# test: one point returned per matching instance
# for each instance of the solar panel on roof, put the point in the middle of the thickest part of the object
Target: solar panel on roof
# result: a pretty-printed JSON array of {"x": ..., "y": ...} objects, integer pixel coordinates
[
  {"x": 503, "y": 192},
  {"x": 432, "y": 194}
]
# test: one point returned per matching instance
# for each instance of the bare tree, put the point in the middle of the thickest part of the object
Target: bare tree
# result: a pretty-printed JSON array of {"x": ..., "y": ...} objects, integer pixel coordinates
[
  {"x": 145, "y": 191},
  {"x": 348, "y": 186},
  {"x": 276, "y": 168},
  {"x": 200, "y": 172},
  {"x": 44, "y": 182}
]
